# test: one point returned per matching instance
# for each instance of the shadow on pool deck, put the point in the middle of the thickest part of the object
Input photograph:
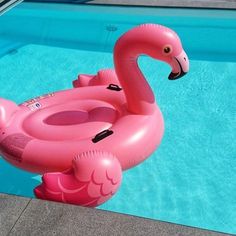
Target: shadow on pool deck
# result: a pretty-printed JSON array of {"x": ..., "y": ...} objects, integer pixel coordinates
[{"x": 25, "y": 216}]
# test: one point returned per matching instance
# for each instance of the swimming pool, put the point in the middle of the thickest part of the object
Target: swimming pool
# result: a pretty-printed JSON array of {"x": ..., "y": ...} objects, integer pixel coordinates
[{"x": 191, "y": 178}]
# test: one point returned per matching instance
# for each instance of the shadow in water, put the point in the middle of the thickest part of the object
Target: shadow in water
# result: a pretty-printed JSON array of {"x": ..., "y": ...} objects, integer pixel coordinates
[{"x": 16, "y": 181}]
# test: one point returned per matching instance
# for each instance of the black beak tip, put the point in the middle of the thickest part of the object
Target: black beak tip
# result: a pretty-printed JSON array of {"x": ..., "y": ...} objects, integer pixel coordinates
[{"x": 174, "y": 76}]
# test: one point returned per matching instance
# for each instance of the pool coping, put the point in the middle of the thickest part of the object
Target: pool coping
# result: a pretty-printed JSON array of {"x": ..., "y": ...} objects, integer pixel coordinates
[
  {"x": 218, "y": 4},
  {"x": 28, "y": 216}
]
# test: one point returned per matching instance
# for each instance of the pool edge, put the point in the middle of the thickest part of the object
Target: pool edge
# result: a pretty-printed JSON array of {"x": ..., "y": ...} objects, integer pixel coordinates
[
  {"x": 37, "y": 217},
  {"x": 208, "y": 4}
]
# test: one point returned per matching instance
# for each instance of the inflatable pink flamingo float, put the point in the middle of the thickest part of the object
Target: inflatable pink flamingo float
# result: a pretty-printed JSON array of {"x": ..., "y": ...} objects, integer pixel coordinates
[{"x": 82, "y": 139}]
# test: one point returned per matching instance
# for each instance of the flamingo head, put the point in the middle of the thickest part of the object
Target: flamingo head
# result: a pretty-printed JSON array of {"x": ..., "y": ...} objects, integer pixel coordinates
[
  {"x": 168, "y": 48},
  {"x": 157, "y": 41},
  {"x": 160, "y": 43}
]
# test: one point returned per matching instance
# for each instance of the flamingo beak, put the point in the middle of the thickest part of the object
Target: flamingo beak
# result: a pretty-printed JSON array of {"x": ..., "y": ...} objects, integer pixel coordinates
[{"x": 180, "y": 66}]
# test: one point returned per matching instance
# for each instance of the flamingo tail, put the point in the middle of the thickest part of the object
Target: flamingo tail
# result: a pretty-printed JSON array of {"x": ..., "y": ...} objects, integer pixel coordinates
[{"x": 94, "y": 178}]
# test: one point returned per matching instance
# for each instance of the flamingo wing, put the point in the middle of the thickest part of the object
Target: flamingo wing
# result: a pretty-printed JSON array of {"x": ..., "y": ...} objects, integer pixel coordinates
[{"x": 94, "y": 178}]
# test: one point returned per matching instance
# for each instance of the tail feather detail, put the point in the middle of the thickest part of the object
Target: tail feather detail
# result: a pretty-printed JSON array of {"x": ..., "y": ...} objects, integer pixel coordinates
[
  {"x": 104, "y": 77},
  {"x": 87, "y": 183},
  {"x": 83, "y": 80}
]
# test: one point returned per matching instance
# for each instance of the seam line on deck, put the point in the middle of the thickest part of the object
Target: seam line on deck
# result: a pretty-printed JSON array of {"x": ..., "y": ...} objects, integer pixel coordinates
[{"x": 19, "y": 217}]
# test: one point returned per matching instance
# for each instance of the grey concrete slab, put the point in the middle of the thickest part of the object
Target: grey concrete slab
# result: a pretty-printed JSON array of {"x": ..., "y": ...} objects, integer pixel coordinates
[
  {"x": 50, "y": 218},
  {"x": 11, "y": 207},
  {"x": 226, "y": 4}
]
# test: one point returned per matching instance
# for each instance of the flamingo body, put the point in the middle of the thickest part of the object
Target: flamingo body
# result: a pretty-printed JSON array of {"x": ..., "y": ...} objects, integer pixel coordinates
[{"x": 81, "y": 139}]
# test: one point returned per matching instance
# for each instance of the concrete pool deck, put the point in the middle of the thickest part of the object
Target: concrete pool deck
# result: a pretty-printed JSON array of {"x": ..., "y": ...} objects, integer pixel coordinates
[
  {"x": 220, "y": 4},
  {"x": 25, "y": 216}
]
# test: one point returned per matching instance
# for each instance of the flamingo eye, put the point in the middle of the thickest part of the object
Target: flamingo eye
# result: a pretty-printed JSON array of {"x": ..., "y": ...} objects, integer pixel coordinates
[{"x": 167, "y": 49}]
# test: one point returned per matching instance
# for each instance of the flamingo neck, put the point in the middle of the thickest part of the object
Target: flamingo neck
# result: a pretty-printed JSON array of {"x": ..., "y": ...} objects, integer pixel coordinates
[{"x": 139, "y": 95}]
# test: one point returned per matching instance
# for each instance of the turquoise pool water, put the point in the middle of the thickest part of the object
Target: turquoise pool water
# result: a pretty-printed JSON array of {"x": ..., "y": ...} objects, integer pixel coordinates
[{"x": 191, "y": 178}]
